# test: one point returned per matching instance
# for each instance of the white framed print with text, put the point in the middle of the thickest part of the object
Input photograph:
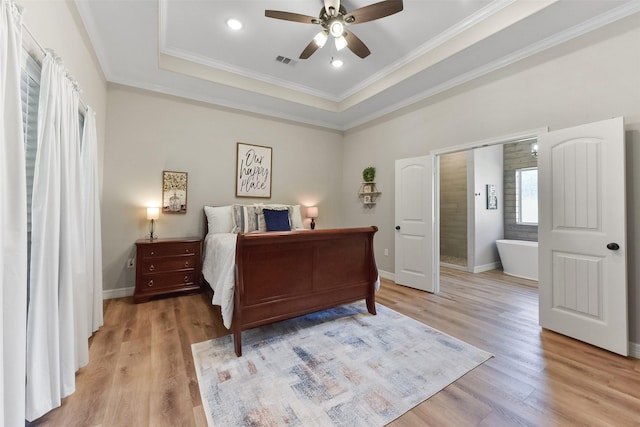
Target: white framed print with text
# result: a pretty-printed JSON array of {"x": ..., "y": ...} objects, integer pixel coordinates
[{"x": 253, "y": 171}]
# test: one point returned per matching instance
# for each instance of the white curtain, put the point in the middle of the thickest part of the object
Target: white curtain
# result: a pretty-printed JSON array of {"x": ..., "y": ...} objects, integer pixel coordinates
[
  {"x": 91, "y": 214},
  {"x": 57, "y": 316},
  {"x": 13, "y": 222}
]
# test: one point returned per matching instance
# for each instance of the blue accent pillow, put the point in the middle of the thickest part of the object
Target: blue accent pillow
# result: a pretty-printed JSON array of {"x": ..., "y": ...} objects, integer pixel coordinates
[{"x": 277, "y": 220}]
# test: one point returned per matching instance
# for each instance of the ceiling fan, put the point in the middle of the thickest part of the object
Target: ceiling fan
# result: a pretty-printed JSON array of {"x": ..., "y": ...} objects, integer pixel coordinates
[{"x": 334, "y": 19}]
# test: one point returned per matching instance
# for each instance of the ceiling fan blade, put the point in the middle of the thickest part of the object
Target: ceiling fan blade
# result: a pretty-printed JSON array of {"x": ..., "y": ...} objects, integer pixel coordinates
[
  {"x": 289, "y": 16},
  {"x": 309, "y": 50},
  {"x": 332, "y": 4},
  {"x": 356, "y": 45},
  {"x": 373, "y": 11}
]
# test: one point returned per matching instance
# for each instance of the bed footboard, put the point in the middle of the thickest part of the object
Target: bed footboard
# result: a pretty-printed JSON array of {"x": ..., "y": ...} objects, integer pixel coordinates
[{"x": 280, "y": 275}]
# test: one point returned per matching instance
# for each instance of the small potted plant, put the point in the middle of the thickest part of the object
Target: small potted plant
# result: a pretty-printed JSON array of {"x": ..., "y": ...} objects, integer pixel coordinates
[{"x": 369, "y": 174}]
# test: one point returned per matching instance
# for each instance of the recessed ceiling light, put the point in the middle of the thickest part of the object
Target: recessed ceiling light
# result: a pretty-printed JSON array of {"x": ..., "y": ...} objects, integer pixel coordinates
[
  {"x": 337, "y": 63},
  {"x": 234, "y": 24}
]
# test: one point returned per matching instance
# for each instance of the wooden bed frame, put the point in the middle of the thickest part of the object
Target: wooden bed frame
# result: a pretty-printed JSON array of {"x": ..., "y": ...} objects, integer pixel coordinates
[{"x": 280, "y": 275}]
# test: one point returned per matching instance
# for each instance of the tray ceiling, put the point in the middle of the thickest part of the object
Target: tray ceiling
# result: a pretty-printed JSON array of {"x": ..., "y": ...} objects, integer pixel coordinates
[{"x": 184, "y": 48}]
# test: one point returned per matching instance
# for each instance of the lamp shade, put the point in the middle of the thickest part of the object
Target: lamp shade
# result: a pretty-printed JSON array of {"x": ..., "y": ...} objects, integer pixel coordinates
[
  {"x": 153, "y": 213},
  {"x": 312, "y": 212}
]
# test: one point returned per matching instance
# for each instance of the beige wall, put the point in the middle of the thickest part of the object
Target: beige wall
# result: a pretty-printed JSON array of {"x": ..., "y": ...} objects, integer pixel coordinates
[
  {"x": 591, "y": 78},
  {"x": 149, "y": 133},
  {"x": 57, "y": 25}
]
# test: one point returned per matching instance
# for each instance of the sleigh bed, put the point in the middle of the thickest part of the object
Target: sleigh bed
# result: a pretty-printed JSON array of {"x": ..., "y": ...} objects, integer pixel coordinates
[{"x": 264, "y": 277}]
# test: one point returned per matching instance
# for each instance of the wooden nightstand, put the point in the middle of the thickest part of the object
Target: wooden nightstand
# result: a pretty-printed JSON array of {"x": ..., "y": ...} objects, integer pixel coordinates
[{"x": 167, "y": 266}]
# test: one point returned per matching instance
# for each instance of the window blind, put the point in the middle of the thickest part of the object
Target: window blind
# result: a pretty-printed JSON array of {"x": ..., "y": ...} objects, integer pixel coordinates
[{"x": 30, "y": 87}]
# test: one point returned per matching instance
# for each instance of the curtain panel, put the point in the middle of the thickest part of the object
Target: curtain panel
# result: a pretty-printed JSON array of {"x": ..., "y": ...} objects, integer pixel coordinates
[
  {"x": 13, "y": 221},
  {"x": 57, "y": 312},
  {"x": 92, "y": 225}
]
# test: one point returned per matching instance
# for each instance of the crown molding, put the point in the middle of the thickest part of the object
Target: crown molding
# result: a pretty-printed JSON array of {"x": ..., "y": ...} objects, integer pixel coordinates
[
  {"x": 257, "y": 77},
  {"x": 203, "y": 72},
  {"x": 223, "y": 103}
]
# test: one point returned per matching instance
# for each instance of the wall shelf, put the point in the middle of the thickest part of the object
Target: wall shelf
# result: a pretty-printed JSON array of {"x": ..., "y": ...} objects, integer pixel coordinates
[{"x": 368, "y": 194}]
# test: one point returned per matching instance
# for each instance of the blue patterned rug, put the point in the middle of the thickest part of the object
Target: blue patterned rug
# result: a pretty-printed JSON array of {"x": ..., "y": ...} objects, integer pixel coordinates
[{"x": 338, "y": 367}]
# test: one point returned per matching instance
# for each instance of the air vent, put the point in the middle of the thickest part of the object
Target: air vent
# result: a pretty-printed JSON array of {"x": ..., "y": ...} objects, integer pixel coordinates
[{"x": 285, "y": 60}]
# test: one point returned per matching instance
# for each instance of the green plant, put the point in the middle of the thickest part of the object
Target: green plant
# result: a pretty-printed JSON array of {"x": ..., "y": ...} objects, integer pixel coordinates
[{"x": 369, "y": 174}]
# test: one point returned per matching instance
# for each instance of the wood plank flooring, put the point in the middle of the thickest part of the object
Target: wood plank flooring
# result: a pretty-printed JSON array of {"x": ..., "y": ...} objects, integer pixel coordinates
[{"x": 141, "y": 371}]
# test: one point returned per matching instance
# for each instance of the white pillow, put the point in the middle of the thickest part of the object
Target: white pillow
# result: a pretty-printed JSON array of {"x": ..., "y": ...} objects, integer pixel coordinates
[
  {"x": 219, "y": 219},
  {"x": 296, "y": 218}
]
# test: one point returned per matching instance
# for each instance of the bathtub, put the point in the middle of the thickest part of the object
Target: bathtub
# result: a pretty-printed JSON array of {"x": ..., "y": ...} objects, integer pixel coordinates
[{"x": 519, "y": 258}]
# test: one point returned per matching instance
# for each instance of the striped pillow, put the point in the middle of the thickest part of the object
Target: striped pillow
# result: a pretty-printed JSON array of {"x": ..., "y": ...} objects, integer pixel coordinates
[{"x": 245, "y": 219}]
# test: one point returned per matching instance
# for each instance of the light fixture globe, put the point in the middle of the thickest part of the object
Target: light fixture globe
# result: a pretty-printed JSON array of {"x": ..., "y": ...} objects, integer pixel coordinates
[
  {"x": 336, "y": 28},
  {"x": 341, "y": 43},
  {"x": 321, "y": 38}
]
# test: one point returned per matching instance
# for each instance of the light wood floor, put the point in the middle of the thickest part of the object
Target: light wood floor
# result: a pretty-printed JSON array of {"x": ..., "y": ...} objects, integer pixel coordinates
[{"x": 141, "y": 371}]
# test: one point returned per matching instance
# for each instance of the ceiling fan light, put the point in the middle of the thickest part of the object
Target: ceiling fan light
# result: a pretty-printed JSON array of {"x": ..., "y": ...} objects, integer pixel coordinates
[
  {"x": 341, "y": 43},
  {"x": 321, "y": 38},
  {"x": 336, "y": 28}
]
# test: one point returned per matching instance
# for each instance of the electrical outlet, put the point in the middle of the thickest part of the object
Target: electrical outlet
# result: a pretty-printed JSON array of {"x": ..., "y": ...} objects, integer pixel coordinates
[
  {"x": 130, "y": 262},
  {"x": 386, "y": 252}
]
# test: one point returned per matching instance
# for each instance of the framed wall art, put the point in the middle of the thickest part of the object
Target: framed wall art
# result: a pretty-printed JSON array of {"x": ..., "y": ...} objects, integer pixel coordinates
[
  {"x": 492, "y": 197},
  {"x": 174, "y": 192},
  {"x": 253, "y": 171}
]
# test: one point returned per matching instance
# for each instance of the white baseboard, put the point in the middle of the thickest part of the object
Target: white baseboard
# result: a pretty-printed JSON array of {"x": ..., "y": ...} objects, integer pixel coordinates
[
  {"x": 387, "y": 275},
  {"x": 487, "y": 267},
  {"x": 117, "y": 293},
  {"x": 634, "y": 350}
]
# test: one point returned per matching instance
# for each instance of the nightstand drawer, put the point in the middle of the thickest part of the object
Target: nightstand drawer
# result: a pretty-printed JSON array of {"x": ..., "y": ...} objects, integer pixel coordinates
[
  {"x": 151, "y": 282},
  {"x": 168, "y": 249},
  {"x": 151, "y": 265}
]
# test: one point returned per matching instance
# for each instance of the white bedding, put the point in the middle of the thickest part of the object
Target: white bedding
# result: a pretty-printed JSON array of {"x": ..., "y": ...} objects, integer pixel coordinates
[{"x": 218, "y": 268}]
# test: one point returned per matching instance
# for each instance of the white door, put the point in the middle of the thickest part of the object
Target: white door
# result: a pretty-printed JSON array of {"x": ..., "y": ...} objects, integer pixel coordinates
[
  {"x": 414, "y": 242},
  {"x": 582, "y": 234}
]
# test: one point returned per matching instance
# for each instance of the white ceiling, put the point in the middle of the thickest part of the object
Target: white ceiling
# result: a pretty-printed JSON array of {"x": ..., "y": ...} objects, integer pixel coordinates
[{"x": 184, "y": 48}]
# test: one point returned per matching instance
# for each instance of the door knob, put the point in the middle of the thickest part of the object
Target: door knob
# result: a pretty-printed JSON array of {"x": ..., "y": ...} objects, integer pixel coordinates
[
  {"x": 613, "y": 246},
  {"x": 397, "y": 227}
]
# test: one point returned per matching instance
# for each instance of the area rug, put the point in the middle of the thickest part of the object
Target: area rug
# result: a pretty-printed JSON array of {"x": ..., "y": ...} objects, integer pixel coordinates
[{"x": 338, "y": 367}]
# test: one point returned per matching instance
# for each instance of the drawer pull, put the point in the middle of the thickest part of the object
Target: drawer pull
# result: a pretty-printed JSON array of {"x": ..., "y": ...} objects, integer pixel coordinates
[
  {"x": 186, "y": 279},
  {"x": 150, "y": 283},
  {"x": 186, "y": 251},
  {"x": 186, "y": 264},
  {"x": 151, "y": 267},
  {"x": 153, "y": 253}
]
